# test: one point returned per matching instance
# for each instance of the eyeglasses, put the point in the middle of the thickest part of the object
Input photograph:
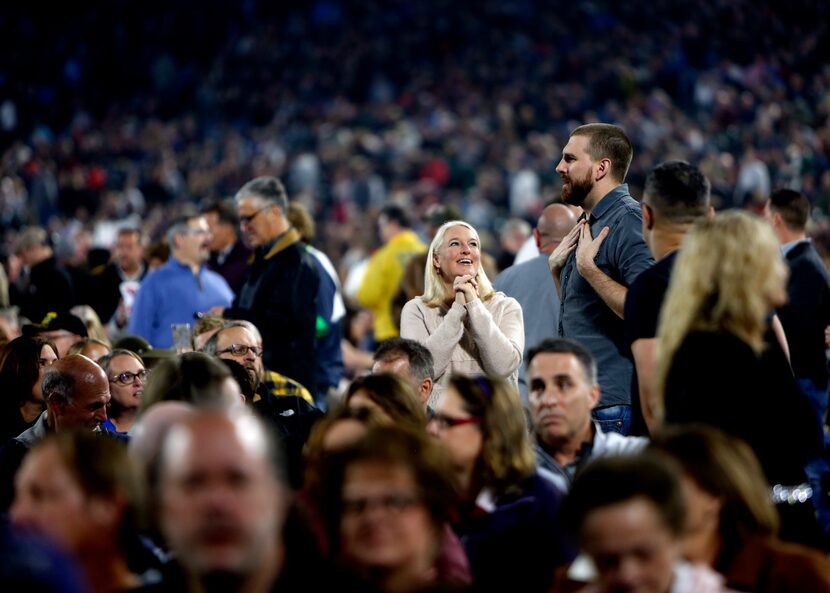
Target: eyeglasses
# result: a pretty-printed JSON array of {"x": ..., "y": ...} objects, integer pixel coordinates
[
  {"x": 246, "y": 220},
  {"x": 241, "y": 350},
  {"x": 393, "y": 504},
  {"x": 127, "y": 378},
  {"x": 444, "y": 422}
]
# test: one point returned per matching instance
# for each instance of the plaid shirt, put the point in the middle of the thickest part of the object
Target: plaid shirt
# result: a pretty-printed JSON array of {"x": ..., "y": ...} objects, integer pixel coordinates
[{"x": 279, "y": 385}]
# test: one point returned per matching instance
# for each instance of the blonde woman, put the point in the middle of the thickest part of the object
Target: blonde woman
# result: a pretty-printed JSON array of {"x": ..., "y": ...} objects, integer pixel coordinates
[
  {"x": 715, "y": 366},
  {"x": 467, "y": 326}
]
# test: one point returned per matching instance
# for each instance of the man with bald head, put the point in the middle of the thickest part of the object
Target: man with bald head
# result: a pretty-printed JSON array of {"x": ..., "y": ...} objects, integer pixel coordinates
[
  {"x": 221, "y": 504},
  {"x": 532, "y": 285},
  {"x": 76, "y": 391}
]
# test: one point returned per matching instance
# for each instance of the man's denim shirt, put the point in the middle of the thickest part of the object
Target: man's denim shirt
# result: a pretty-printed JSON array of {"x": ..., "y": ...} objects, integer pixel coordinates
[{"x": 583, "y": 315}]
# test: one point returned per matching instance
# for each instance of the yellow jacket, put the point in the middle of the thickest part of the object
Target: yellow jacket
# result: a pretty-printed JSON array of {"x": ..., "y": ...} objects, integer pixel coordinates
[{"x": 383, "y": 278}]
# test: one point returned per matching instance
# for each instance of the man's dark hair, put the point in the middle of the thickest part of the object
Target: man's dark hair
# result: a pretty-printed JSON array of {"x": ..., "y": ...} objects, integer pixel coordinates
[
  {"x": 621, "y": 478},
  {"x": 566, "y": 346},
  {"x": 607, "y": 141},
  {"x": 131, "y": 230},
  {"x": 395, "y": 213},
  {"x": 421, "y": 364},
  {"x": 267, "y": 190},
  {"x": 793, "y": 207},
  {"x": 225, "y": 211},
  {"x": 677, "y": 191}
]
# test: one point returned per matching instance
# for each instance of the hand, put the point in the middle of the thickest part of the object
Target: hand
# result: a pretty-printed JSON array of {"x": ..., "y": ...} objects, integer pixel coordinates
[
  {"x": 467, "y": 287},
  {"x": 588, "y": 248},
  {"x": 557, "y": 259}
]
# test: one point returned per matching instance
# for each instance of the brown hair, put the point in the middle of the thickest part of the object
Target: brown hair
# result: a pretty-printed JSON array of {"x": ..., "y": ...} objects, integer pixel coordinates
[
  {"x": 393, "y": 395},
  {"x": 606, "y": 141}
]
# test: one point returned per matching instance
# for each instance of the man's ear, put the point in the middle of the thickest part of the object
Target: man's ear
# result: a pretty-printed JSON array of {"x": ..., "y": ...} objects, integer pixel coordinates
[
  {"x": 426, "y": 390},
  {"x": 648, "y": 217},
  {"x": 595, "y": 393},
  {"x": 603, "y": 169},
  {"x": 537, "y": 238}
]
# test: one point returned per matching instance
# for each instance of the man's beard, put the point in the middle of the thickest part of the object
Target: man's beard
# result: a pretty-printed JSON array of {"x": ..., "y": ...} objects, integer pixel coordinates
[{"x": 576, "y": 190}]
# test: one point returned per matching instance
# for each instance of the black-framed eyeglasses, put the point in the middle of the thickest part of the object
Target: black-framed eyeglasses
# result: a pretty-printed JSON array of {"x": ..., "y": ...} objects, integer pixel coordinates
[
  {"x": 444, "y": 422},
  {"x": 246, "y": 220},
  {"x": 241, "y": 350},
  {"x": 127, "y": 378}
]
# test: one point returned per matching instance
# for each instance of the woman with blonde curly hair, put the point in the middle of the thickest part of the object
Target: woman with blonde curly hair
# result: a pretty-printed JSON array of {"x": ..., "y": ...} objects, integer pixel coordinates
[
  {"x": 715, "y": 366},
  {"x": 466, "y": 325},
  {"x": 508, "y": 513}
]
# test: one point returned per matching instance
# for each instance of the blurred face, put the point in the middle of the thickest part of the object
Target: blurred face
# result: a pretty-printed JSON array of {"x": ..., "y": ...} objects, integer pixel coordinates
[
  {"x": 463, "y": 440},
  {"x": 221, "y": 508},
  {"x": 127, "y": 380},
  {"x": 384, "y": 523},
  {"x": 632, "y": 549},
  {"x": 94, "y": 351},
  {"x": 88, "y": 406},
  {"x": 193, "y": 246},
  {"x": 701, "y": 539},
  {"x": 342, "y": 433},
  {"x": 45, "y": 360},
  {"x": 222, "y": 234},
  {"x": 129, "y": 251},
  {"x": 49, "y": 500},
  {"x": 237, "y": 343},
  {"x": 576, "y": 169},
  {"x": 561, "y": 399},
  {"x": 256, "y": 221},
  {"x": 62, "y": 340},
  {"x": 459, "y": 254}
]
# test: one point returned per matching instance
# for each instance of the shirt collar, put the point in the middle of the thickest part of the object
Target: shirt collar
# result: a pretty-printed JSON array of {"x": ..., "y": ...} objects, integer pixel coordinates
[
  {"x": 607, "y": 202},
  {"x": 787, "y": 247}
]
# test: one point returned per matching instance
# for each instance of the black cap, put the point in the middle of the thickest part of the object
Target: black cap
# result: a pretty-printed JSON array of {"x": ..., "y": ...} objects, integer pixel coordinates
[
  {"x": 135, "y": 344},
  {"x": 56, "y": 321}
]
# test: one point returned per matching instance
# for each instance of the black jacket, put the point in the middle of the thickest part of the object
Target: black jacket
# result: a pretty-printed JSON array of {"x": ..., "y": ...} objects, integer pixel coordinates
[
  {"x": 807, "y": 313},
  {"x": 280, "y": 297}
]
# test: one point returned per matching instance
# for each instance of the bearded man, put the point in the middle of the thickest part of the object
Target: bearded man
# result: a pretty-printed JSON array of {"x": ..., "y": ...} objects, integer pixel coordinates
[{"x": 599, "y": 259}]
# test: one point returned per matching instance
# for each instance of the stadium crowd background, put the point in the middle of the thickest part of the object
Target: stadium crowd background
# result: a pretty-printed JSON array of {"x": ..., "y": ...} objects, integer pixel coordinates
[{"x": 136, "y": 109}]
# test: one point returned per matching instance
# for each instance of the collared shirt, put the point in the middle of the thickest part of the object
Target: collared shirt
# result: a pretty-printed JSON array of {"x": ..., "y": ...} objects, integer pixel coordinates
[
  {"x": 583, "y": 315},
  {"x": 787, "y": 247},
  {"x": 171, "y": 294}
]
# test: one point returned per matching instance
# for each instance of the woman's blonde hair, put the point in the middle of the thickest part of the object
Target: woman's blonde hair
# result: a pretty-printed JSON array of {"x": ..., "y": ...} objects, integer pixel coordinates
[
  {"x": 723, "y": 279},
  {"x": 506, "y": 454},
  {"x": 435, "y": 291}
]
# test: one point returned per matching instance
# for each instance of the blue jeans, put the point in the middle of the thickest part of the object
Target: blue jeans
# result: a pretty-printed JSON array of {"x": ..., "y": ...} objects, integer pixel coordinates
[{"x": 613, "y": 418}]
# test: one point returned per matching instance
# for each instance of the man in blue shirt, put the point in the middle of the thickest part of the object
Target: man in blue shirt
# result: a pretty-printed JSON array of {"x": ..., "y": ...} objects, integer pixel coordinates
[
  {"x": 599, "y": 259},
  {"x": 181, "y": 287}
]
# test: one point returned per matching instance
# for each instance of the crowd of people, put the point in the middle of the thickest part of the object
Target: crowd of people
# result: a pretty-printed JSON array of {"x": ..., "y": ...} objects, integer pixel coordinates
[{"x": 406, "y": 316}]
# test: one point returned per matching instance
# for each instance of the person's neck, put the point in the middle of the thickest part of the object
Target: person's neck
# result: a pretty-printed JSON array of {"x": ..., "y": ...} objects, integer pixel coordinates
[
  {"x": 666, "y": 241},
  {"x": 106, "y": 574},
  {"x": 787, "y": 236},
  {"x": 194, "y": 266},
  {"x": 468, "y": 487},
  {"x": 132, "y": 270},
  {"x": 565, "y": 452},
  {"x": 413, "y": 576},
  {"x": 124, "y": 418},
  {"x": 30, "y": 410},
  {"x": 601, "y": 189},
  {"x": 226, "y": 245},
  {"x": 261, "y": 580}
]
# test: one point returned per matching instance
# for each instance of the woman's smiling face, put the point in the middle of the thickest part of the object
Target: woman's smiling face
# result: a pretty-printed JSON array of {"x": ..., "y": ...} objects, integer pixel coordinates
[{"x": 459, "y": 254}]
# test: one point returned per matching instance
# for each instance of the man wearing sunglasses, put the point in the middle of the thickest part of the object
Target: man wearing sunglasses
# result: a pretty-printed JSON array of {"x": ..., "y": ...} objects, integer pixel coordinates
[{"x": 77, "y": 392}]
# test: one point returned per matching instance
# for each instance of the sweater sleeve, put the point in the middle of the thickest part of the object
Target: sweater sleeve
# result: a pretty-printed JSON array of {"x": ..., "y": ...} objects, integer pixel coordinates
[
  {"x": 443, "y": 340},
  {"x": 500, "y": 345}
]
